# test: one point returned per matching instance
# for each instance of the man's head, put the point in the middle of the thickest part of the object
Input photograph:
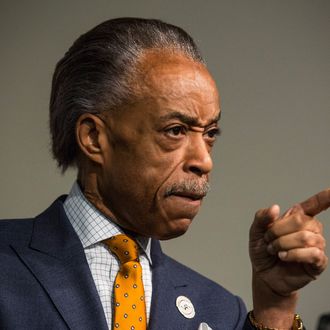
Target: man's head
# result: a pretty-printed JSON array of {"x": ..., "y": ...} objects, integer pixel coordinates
[{"x": 135, "y": 107}]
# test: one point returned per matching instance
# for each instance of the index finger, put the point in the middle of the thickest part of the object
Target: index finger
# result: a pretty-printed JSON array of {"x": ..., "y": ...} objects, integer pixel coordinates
[{"x": 317, "y": 203}]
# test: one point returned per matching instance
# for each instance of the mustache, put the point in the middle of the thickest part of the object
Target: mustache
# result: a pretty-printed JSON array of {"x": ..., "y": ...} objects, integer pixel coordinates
[{"x": 192, "y": 187}]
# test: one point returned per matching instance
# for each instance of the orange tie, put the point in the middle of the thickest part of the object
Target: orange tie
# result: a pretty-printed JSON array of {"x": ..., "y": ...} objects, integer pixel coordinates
[{"x": 130, "y": 308}]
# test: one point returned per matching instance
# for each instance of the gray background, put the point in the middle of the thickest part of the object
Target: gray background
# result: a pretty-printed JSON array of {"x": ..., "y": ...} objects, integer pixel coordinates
[{"x": 271, "y": 61}]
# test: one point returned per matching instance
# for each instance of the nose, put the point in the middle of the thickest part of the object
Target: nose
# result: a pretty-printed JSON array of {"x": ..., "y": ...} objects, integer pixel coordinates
[{"x": 198, "y": 157}]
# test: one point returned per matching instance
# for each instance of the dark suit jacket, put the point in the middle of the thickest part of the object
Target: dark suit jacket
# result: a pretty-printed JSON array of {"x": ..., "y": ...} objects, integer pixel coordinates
[{"x": 46, "y": 283}]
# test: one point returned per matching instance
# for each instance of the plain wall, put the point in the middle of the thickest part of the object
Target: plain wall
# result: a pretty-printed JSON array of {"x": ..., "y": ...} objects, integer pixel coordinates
[{"x": 271, "y": 60}]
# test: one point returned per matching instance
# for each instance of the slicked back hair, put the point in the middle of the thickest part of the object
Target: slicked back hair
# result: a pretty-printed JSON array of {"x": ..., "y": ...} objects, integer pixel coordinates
[{"x": 93, "y": 76}]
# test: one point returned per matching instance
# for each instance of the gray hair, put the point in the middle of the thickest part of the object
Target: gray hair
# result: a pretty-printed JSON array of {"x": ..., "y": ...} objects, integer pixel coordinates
[{"x": 93, "y": 76}]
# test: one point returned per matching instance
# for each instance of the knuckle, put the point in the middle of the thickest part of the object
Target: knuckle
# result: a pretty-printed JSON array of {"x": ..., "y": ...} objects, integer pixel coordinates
[
  {"x": 306, "y": 239},
  {"x": 322, "y": 242},
  {"x": 316, "y": 226},
  {"x": 317, "y": 255},
  {"x": 298, "y": 208},
  {"x": 299, "y": 221}
]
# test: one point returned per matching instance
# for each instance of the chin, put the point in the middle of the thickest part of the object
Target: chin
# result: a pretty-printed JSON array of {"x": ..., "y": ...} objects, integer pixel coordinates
[{"x": 177, "y": 228}]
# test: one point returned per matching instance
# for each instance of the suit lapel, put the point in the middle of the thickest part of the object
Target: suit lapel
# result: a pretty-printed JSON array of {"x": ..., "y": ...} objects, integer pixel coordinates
[
  {"x": 56, "y": 258},
  {"x": 166, "y": 288}
]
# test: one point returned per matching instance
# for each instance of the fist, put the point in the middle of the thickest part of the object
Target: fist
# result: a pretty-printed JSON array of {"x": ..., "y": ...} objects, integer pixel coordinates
[{"x": 288, "y": 251}]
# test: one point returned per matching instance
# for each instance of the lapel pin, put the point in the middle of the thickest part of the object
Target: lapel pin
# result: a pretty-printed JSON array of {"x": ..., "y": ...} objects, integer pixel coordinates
[
  {"x": 204, "y": 326},
  {"x": 185, "y": 307}
]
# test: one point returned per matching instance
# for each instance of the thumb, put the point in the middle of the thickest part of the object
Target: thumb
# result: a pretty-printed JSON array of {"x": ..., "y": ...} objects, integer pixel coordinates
[{"x": 264, "y": 218}]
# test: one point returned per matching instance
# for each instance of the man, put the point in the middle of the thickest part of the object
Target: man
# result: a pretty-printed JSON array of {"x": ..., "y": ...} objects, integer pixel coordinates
[{"x": 135, "y": 109}]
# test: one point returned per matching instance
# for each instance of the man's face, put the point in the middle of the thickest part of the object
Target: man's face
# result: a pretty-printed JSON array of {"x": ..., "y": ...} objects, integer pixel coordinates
[{"x": 157, "y": 160}]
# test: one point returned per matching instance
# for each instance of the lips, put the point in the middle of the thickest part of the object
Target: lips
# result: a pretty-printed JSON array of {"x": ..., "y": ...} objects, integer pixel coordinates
[{"x": 190, "y": 195}]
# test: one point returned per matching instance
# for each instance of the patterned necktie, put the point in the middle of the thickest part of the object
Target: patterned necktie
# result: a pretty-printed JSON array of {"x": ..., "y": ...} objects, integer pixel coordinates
[{"x": 130, "y": 309}]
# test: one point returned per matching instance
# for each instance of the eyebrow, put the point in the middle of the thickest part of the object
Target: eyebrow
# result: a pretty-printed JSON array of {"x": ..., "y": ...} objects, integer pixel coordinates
[{"x": 188, "y": 120}]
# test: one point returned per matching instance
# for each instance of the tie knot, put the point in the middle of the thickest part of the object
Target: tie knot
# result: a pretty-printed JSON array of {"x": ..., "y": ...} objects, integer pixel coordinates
[{"x": 124, "y": 247}]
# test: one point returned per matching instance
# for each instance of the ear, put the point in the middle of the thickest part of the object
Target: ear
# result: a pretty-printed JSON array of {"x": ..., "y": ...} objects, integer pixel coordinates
[{"x": 91, "y": 135}]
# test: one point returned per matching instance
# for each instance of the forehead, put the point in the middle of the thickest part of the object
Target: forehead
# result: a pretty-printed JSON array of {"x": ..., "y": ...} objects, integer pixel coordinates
[{"x": 174, "y": 82}]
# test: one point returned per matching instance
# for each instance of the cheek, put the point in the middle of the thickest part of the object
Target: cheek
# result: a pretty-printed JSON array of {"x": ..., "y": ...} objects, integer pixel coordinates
[
  {"x": 139, "y": 174},
  {"x": 145, "y": 162}
]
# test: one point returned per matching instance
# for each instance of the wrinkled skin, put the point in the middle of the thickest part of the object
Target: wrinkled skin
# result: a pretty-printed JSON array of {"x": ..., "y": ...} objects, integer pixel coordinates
[{"x": 158, "y": 144}]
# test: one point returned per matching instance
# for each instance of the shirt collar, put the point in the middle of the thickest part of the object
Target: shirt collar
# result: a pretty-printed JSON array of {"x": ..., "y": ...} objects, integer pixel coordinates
[{"x": 91, "y": 225}]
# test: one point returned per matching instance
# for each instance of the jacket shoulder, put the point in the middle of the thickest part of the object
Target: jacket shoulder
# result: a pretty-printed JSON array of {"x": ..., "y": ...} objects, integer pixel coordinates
[
  {"x": 20, "y": 230},
  {"x": 15, "y": 230}
]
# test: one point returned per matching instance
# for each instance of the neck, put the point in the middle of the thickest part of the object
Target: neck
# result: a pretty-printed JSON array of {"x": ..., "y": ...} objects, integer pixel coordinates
[{"x": 88, "y": 180}]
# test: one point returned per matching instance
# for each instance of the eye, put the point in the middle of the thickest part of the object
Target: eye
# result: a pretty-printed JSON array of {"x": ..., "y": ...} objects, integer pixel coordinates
[
  {"x": 176, "y": 130},
  {"x": 212, "y": 134}
]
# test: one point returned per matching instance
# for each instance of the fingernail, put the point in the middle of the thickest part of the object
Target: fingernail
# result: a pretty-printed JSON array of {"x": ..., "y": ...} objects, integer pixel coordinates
[
  {"x": 282, "y": 254},
  {"x": 270, "y": 249}
]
